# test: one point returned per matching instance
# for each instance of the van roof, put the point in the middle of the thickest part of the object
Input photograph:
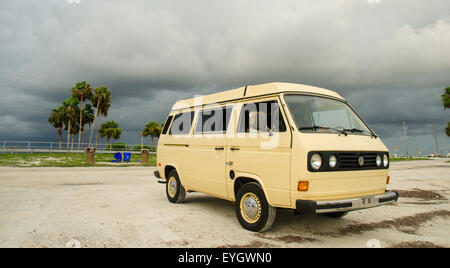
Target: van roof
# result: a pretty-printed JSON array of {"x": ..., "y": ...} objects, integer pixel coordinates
[{"x": 253, "y": 91}]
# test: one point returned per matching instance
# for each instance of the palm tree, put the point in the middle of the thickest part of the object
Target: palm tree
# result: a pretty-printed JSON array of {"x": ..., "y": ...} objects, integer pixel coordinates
[
  {"x": 74, "y": 129},
  {"x": 152, "y": 129},
  {"x": 446, "y": 103},
  {"x": 69, "y": 111},
  {"x": 446, "y": 98},
  {"x": 103, "y": 111},
  {"x": 56, "y": 119},
  {"x": 110, "y": 129},
  {"x": 88, "y": 118},
  {"x": 82, "y": 91},
  {"x": 102, "y": 101}
]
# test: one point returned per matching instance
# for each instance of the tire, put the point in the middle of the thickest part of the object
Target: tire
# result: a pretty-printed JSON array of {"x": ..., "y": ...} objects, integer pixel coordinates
[
  {"x": 336, "y": 215},
  {"x": 174, "y": 190},
  {"x": 253, "y": 211}
]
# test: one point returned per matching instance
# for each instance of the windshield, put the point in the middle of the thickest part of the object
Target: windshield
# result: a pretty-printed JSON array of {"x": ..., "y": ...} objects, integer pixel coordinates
[{"x": 317, "y": 114}]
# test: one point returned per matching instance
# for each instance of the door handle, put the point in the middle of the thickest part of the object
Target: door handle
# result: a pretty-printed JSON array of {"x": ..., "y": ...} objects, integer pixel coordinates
[
  {"x": 219, "y": 148},
  {"x": 234, "y": 149}
]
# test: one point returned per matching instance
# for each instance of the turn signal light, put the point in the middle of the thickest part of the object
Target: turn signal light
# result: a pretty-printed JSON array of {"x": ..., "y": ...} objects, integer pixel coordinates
[
  {"x": 159, "y": 164},
  {"x": 303, "y": 186},
  {"x": 388, "y": 179}
]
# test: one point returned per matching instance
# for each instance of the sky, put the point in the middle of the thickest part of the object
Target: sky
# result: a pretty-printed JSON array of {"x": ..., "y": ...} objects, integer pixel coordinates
[{"x": 389, "y": 58}]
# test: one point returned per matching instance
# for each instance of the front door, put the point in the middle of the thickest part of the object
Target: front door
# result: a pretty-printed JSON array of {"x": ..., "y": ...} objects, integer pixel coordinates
[{"x": 261, "y": 146}]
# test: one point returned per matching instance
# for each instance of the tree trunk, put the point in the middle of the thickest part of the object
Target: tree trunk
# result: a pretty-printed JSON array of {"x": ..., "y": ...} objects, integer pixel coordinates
[
  {"x": 82, "y": 138},
  {"x": 60, "y": 138},
  {"x": 93, "y": 125},
  {"x": 81, "y": 119},
  {"x": 98, "y": 129},
  {"x": 71, "y": 147},
  {"x": 68, "y": 137},
  {"x": 152, "y": 141}
]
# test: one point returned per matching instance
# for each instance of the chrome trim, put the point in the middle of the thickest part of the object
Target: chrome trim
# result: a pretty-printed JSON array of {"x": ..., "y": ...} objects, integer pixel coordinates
[
  {"x": 250, "y": 207},
  {"x": 356, "y": 203}
]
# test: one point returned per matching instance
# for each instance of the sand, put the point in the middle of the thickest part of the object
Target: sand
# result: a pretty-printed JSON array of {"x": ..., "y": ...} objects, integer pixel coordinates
[{"x": 126, "y": 207}]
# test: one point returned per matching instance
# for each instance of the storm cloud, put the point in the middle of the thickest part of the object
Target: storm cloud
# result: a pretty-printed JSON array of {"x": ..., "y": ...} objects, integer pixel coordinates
[{"x": 390, "y": 59}]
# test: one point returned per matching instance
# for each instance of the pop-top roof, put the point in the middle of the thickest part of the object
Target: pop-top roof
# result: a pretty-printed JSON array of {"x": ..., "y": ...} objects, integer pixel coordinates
[{"x": 253, "y": 91}]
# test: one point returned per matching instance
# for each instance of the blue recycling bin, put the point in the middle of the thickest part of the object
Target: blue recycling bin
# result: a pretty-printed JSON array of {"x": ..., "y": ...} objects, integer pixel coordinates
[
  {"x": 117, "y": 157},
  {"x": 126, "y": 157}
]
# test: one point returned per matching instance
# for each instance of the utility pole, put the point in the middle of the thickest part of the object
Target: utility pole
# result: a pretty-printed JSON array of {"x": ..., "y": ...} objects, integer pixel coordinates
[
  {"x": 435, "y": 139},
  {"x": 406, "y": 138}
]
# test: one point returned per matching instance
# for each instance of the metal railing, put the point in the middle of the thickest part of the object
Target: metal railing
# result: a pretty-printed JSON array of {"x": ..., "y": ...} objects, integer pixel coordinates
[{"x": 54, "y": 147}]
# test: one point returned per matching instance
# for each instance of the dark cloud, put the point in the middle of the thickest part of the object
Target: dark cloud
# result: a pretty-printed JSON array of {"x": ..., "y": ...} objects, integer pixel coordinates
[{"x": 390, "y": 59}]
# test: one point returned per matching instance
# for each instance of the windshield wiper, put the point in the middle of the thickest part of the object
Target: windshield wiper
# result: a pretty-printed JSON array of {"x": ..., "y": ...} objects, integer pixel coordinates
[
  {"x": 320, "y": 127},
  {"x": 353, "y": 130}
]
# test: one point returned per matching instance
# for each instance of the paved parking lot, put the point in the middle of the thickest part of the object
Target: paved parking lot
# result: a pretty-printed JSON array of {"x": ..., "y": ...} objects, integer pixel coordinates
[{"x": 126, "y": 207}]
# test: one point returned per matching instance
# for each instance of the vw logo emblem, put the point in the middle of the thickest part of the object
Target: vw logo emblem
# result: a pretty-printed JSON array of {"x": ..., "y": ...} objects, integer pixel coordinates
[{"x": 361, "y": 161}]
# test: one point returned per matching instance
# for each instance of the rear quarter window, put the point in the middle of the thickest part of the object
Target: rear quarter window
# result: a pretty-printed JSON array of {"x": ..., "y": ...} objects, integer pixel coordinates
[{"x": 167, "y": 124}]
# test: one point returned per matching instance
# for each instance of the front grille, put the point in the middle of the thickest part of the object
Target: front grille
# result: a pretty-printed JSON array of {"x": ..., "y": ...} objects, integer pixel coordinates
[{"x": 350, "y": 160}]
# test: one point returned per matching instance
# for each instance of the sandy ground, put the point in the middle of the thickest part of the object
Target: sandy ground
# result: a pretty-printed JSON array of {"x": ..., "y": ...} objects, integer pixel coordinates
[{"x": 126, "y": 207}]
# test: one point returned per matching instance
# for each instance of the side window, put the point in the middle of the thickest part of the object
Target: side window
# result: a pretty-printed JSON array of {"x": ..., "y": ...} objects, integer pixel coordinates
[
  {"x": 213, "y": 120},
  {"x": 167, "y": 124},
  {"x": 181, "y": 123},
  {"x": 261, "y": 117}
]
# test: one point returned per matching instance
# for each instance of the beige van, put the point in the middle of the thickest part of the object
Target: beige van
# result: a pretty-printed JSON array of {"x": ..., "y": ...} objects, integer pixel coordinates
[{"x": 270, "y": 146}]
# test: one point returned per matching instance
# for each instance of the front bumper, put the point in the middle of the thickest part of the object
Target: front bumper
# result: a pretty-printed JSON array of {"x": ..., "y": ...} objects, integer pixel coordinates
[{"x": 316, "y": 207}]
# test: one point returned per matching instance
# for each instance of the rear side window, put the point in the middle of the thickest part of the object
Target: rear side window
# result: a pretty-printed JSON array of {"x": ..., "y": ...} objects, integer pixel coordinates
[
  {"x": 261, "y": 117},
  {"x": 181, "y": 123},
  {"x": 167, "y": 124},
  {"x": 213, "y": 120}
]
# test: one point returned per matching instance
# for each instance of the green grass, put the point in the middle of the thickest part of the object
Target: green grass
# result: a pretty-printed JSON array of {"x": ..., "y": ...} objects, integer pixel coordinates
[
  {"x": 399, "y": 159},
  {"x": 66, "y": 160},
  {"x": 79, "y": 160}
]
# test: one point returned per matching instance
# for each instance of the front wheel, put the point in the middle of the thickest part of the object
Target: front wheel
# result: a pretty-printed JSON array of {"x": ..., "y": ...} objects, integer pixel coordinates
[{"x": 252, "y": 209}]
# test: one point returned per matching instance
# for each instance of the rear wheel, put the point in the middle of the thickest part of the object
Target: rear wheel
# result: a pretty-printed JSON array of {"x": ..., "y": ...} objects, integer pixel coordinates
[
  {"x": 174, "y": 190},
  {"x": 252, "y": 209}
]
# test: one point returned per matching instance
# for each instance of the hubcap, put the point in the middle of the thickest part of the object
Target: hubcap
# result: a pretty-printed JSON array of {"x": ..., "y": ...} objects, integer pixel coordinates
[
  {"x": 172, "y": 187},
  {"x": 250, "y": 207}
]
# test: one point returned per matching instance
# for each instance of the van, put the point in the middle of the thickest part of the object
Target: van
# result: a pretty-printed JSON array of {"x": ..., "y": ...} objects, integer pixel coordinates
[{"x": 271, "y": 146}]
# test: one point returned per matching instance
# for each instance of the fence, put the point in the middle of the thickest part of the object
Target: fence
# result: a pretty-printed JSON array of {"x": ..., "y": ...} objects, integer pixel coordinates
[{"x": 54, "y": 147}]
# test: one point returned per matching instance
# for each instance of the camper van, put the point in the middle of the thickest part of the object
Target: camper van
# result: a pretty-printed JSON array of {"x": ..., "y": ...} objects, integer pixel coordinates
[{"x": 272, "y": 146}]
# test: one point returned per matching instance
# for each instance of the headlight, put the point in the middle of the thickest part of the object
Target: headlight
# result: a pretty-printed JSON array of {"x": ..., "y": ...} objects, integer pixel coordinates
[
  {"x": 332, "y": 161},
  {"x": 316, "y": 161},
  {"x": 378, "y": 160},
  {"x": 385, "y": 160}
]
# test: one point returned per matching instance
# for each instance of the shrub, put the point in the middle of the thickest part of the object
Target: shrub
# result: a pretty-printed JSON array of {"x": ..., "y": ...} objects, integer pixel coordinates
[
  {"x": 138, "y": 148},
  {"x": 118, "y": 146}
]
